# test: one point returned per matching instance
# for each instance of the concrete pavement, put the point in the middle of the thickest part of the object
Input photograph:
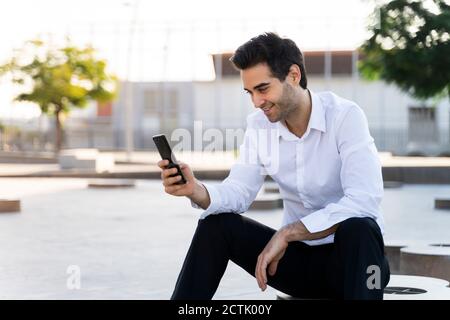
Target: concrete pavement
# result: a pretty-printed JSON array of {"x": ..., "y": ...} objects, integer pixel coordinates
[{"x": 130, "y": 243}]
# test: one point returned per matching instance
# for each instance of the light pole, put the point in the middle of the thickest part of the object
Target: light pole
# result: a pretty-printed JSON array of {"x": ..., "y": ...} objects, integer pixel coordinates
[{"x": 128, "y": 93}]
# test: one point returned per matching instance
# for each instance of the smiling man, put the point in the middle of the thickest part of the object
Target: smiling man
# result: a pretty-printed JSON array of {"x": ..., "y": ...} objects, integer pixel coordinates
[{"x": 330, "y": 244}]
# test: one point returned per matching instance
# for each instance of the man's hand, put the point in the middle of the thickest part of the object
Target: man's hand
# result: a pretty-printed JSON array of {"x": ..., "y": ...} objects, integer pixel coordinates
[
  {"x": 170, "y": 187},
  {"x": 276, "y": 247},
  {"x": 269, "y": 258},
  {"x": 193, "y": 189}
]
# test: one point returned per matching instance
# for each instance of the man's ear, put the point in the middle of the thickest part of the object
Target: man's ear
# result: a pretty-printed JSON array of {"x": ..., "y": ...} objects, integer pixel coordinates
[{"x": 294, "y": 76}]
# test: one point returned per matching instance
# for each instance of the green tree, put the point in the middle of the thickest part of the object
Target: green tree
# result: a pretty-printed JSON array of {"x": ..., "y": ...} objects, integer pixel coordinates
[
  {"x": 59, "y": 79},
  {"x": 410, "y": 47}
]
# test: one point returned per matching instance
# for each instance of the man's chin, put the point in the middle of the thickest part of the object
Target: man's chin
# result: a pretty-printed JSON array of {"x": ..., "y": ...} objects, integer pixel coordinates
[{"x": 273, "y": 119}]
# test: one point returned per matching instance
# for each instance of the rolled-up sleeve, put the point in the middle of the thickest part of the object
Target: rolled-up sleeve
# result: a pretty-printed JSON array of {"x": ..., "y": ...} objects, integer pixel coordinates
[
  {"x": 360, "y": 175},
  {"x": 237, "y": 192}
]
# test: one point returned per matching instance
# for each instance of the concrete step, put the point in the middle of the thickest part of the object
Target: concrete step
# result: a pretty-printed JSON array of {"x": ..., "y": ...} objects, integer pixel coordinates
[
  {"x": 267, "y": 201},
  {"x": 111, "y": 183},
  {"x": 441, "y": 203},
  {"x": 426, "y": 260},
  {"x": 392, "y": 251},
  {"x": 11, "y": 205},
  {"x": 271, "y": 187}
]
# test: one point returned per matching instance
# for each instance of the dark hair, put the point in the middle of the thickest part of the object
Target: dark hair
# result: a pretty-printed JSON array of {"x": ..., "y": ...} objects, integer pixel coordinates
[{"x": 280, "y": 54}]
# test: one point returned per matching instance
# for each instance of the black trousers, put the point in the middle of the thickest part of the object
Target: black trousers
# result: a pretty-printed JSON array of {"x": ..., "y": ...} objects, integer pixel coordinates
[{"x": 345, "y": 269}]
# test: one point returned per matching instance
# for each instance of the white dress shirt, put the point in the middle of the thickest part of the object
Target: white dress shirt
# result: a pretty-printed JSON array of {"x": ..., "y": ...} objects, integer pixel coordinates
[{"x": 330, "y": 174}]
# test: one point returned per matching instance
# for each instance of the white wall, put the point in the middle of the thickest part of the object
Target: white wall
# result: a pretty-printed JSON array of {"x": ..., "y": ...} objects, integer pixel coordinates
[{"x": 222, "y": 104}]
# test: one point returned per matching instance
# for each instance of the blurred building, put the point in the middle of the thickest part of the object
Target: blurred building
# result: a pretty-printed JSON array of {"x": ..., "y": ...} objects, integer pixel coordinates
[{"x": 398, "y": 123}]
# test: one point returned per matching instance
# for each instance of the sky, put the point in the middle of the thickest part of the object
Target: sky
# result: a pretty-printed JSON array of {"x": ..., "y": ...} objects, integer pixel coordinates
[{"x": 147, "y": 40}]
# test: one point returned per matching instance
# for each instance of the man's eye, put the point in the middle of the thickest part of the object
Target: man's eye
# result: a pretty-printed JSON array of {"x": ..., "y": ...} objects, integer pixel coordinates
[{"x": 263, "y": 89}]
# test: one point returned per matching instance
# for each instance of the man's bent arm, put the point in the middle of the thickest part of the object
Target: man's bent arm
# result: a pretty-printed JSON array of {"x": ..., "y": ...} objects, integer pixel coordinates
[{"x": 297, "y": 232}]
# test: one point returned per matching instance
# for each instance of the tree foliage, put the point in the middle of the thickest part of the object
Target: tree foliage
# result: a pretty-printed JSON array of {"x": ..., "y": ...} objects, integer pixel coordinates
[
  {"x": 410, "y": 47},
  {"x": 60, "y": 79}
]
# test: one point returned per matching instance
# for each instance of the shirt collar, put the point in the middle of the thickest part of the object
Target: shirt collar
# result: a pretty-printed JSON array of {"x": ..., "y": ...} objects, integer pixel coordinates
[{"x": 317, "y": 119}]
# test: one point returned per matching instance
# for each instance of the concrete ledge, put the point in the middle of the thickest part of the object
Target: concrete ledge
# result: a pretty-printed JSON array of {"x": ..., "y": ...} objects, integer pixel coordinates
[
  {"x": 432, "y": 261},
  {"x": 27, "y": 157},
  {"x": 9, "y": 206},
  {"x": 416, "y": 174},
  {"x": 67, "y": 158},
  {"x": 392, "y": 184},
  {"x": 396, "y": 175},
  {"x": 111, "y": 183},
  {"x": 86, "y": 159},
  {"x": 392, "y": 251},
  {"x": 267, "y": 201},
  {"x": 271, "y": 187},
  {"x": 442, "y": 203},
  {"x": 435, "y": 170}
]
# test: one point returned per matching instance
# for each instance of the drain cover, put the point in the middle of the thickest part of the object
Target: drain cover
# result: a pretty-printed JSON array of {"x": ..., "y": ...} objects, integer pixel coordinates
[{"x": 403, "y": 290}]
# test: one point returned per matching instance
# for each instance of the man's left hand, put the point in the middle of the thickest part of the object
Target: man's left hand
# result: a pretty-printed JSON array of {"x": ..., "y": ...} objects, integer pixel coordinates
[{"x": 269, "y": 258}]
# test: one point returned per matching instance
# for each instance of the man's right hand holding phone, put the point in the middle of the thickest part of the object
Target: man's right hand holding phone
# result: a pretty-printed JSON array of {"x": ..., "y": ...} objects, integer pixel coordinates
[{"x": 193, "y": 189}]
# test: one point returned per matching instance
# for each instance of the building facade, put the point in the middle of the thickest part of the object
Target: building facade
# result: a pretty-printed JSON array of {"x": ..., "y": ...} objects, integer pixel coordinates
[{"x": 399, "y": 123}]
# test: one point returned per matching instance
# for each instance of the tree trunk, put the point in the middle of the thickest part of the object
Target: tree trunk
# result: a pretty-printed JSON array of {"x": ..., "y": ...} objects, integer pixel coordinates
[{"x": 58, "y": 140}]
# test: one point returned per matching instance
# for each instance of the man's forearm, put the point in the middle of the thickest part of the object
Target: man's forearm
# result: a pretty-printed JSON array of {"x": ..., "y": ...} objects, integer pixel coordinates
[
  {"x": 297, "y": 232},
  {"x": 200, "y": 196}
]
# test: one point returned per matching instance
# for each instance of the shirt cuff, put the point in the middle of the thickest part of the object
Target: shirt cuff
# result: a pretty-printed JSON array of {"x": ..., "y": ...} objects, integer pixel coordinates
[
  {"x": 320, "y": 220},
  {"x": 215, "y": 201}
]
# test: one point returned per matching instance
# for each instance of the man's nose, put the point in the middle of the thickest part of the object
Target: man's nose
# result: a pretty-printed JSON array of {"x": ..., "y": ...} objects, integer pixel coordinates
[{"x": 258, "y": 102}]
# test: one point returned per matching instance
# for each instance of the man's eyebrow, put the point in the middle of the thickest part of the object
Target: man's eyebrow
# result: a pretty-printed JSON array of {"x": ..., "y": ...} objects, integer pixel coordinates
[{"x": 258, "y": 86}]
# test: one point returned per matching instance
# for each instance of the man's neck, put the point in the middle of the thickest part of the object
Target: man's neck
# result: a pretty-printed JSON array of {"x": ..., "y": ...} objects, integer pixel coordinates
[{"x": 297, "y": 121}]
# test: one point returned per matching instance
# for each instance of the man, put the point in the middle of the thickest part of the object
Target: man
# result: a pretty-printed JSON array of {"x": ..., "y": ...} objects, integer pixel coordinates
[{"x": 326, "y": 164}]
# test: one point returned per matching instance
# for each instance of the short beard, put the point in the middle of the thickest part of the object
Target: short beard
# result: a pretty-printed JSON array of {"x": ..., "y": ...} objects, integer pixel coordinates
[{"x": 288, "y": 103}]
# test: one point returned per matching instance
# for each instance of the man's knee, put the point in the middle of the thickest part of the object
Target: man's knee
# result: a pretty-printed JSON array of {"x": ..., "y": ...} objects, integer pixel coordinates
[
  {"x": 360, "y": 243},
  {"x": 214, "y": 223},
  {"x": 358, "y": 229}
]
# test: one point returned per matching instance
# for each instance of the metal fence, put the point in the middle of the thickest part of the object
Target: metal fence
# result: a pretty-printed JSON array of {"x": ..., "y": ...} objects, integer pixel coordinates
[{"x": 85, "y": 133}]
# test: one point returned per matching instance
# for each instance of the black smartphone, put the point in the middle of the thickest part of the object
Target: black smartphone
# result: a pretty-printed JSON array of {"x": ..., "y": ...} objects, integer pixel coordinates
[{"x": 166, "y": 154}]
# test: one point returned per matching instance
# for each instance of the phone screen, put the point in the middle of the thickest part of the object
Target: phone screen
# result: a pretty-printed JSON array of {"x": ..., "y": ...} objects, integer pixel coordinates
[{"x": 166, "y": 154}]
